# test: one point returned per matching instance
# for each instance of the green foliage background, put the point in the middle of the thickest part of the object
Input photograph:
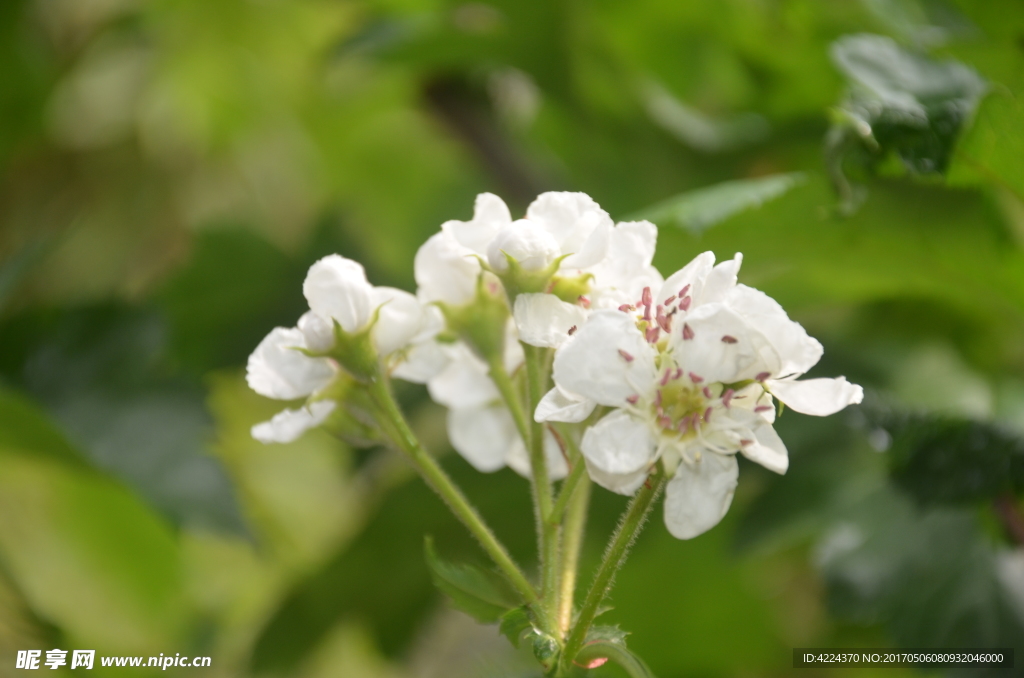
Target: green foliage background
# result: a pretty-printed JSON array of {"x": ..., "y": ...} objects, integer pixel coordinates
[{"x": 170, "y": 168}]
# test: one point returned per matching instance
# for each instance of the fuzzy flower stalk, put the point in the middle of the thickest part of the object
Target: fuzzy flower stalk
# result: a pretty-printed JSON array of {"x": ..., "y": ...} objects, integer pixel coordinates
[{"x": 559, "y": 351}]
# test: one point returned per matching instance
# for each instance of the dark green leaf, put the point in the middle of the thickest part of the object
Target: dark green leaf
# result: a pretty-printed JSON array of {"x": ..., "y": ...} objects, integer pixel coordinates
[
  {"x": 515, "y": 623},
  {"x": 900, "y": 104},
  {"x": 702, "y": 208},
  {"x": 929, "y": 576},
  {"x": 102, "y": 373},
  {"x": 481, "y": 594},
  {"x": 944, "y": 460}
]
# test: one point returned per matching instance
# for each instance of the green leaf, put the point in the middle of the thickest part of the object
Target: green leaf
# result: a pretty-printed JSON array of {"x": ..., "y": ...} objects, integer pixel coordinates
[
  {"x": 515, "y": 623},
  {"x": 991, "y": 150},
  {"x": 946, "y": 460},
  {"x": 102, "y": 373},
  {"x": 24, "y": 428},
  {"x": 481, "y": 594},
  {"x": 598, "y": 652},
  {"x": 702, "y": 208},
  {"x": 931, "y": 577},
  {"x": 900, "y": 105},
  {"x": 89, "y": 557},
  {"x": 612, "y": 634}
]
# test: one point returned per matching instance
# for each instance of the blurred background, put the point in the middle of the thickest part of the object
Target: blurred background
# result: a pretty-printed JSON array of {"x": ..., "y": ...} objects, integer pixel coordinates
[{"x": 170, "y": 168}]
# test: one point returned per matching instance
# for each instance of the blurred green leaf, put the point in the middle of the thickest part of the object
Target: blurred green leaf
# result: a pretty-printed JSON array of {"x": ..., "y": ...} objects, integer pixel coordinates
[
  {"x": 702, "y": 208},
  {"x": 235, "y": 287},
  {"x": 102, "y": 372},
  {"x": 699, "y": 131},
  {"x": 514, "y": 623},
  {"x": 900, "y": 104},
  {"x": 89, "y": 556},
  {"x": 941, "y": 460},
  {"x": 481, "y": 594},
  {"x": 991, "y": 150},
  {"x": 380, "y": 577},
  {"x": 27, "y": 430},
  {"x": 930, "y": 576}
]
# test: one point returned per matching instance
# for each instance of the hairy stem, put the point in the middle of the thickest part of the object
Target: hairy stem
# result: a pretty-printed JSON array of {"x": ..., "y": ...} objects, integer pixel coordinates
[
  {"x": 572, "y": 541},
  {"x": 549, "y": 530},
  {"x": 577, "y": 472},
  {"x": 625, "y": 534},
  {"x": 403, "y": 437}
]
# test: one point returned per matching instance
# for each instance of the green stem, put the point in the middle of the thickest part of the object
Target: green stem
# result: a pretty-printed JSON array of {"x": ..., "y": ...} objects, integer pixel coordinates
[
  {"x": 614, "y": 556},
  {"x": 510, "y": 395},
  {"x": 403, "y": 436},
  {"x": 572, "y": 542},
  {"x": 548, "y": 530},
  {"x": 577, "y": 472}
]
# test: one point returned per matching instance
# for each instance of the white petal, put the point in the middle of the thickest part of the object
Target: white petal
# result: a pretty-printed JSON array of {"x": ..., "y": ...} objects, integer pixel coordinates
[
  {"x": 692, "y": 275},
  {"x": 518, "y": 458},
  {"x": 287, "y": 425},
  {"x": 422, "y": 362},
  {"x": 514, "y": 355},
  {"x": 433, "y": 323},
  {"x": 720, "y": 281},
  {"x": 482, "y": 436},
  {"x": 277, "y": 370},
  {"x": 798, "y": 351},
  {"x": 619, "y": 444},
  {"x": 593, "y": 250},
  {"x": 526, "y": 242},
  {"x": 317, "y": 331},
  {"x": 698, "y": 497},
  {"x": 570, "y": 217},
  {"x": 631, "y": 251},
  {"x": 820, "y": 397},
  {"x": 625, "y": 483},
  {"x": 607, "y": 360},
  {"x": 545, "y": 320},
  {"x": 399, "y": 319},
  {"x": 463, "y": 383},
  {"x": 723, "y": 348},
  {"x": 490, "y": 214},
  {"x": 445, "y": 270},
  {"x": 557, "y": 405},
  {"x": 765, "y": 447},
  {"x": 336, "y": 287}
]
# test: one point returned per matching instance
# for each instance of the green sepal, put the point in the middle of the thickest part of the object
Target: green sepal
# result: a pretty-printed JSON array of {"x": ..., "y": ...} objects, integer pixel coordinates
[
  {"x": 354, "y": 351},
  {"x": 515, "y": 623},
  {"x": 480, "y": 323},
  {"x": 571, "y": 289},
  {"x": 482, "y": 594},
  {"x": 517, "y": 280}
]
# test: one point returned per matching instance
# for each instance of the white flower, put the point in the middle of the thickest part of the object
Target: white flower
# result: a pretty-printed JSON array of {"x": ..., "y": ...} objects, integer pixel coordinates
[
  {"x": 691, "y": 373},
  {"x": 616, "y": 259},
  {"x": 337, "y": 290},
  {"x": 525, "y": 241}
]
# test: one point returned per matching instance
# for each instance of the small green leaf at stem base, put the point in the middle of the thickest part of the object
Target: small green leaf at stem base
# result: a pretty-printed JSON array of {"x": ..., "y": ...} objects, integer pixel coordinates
[
  {"x": 515, "y": 623},
  {"x": 483, "y": 595},
  {"x": 591, "y": 654}
]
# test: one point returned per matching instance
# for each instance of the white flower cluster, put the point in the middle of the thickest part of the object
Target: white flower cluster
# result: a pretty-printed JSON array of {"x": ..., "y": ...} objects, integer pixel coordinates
[{"x": 682, "y": 373}]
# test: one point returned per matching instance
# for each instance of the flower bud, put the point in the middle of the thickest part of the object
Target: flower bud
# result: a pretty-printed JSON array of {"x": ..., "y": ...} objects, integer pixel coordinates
[
  {"x": 317, "y": 331},
  {"x": 530, "y": 245}
]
